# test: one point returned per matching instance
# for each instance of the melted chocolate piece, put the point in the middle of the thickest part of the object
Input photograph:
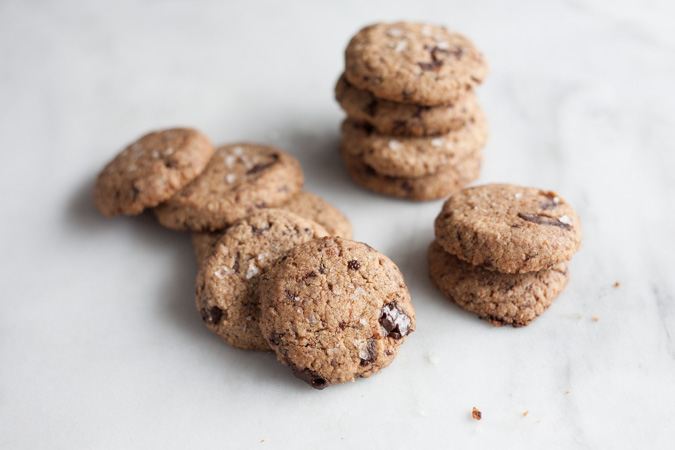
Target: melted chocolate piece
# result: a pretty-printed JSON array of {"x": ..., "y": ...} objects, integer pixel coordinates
[
  {"x": 308, "y": 376},
  {"x": 372, "y": 353},
  {"x": 432, "y": 65},
  {"x": 541, "y": 219},
  {"x": 394, "y": 321},
  {"x": 275, "y": 339},
  {"x": 212, "y": 314},
  {"x": 259, "y": 167},
  {"x": 235, "y": 267},
  {"x": 371, "y": 108},
  {"x": 353, "y": 264}
]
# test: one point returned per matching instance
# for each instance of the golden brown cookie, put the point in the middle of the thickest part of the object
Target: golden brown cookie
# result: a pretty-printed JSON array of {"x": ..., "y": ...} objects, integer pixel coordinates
[
  {"x": 413, "y": 63},
  {"x": 227, "y": 297},
  {"x": 406, "y": 156},
  {"x": 508, "y": 228},
  {"x": 448, "y": 180},
  {"x": 499, "y": 298},
  {"x": 334, "y": 310},
  {"x": 403, "y": 118},
  {"x": 151, "y": 170},
  {"x": 239, "y": 179}
]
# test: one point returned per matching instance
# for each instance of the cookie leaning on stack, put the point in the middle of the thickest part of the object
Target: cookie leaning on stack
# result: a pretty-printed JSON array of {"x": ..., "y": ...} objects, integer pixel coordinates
[
  {"x": 502, "y": 251},
  {"x": 414, "y": 129}
]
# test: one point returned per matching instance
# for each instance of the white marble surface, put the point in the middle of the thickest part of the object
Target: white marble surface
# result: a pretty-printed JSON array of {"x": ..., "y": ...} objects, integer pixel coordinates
[{"x": 100, "y": 343}]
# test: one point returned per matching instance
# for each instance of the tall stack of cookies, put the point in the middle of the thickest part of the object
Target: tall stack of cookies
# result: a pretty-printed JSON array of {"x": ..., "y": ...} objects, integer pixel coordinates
[
  {"x": 414, "y": 129},
  {"x": 502, "y": 251}
]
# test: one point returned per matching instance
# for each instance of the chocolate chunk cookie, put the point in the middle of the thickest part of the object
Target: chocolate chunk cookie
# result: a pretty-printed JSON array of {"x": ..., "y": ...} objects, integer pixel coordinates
[
  {"x": 402, "y": 156},
  {"x": 508, "y": 228},
  {"x": 499, "y": 298},
  {"x": 403, "y": 118},
  {"x": 238, "y": 180},
  {"x": 304, "y": 204},
  {"x": 227, "y": 282},
  {"x": 151, "y": 170},
  {"x": 446, "y": 181},
  {"x": 334, "y": 309},
  {"x": 413, "y": 63}
]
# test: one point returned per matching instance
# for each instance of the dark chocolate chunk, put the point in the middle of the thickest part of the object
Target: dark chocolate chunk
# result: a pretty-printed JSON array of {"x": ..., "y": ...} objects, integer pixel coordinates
[
  {"x": 308, "y": 376},
  {"x": 275, "y": 339},
  {"x": 259, "y": 167},
  {"x": 212, "y": 314},
  {"x": 371, "y": 348},
  {"x": 354, "y": 264},
  {"x": 395, "y": 322},
  {"x": 541, "y": 219},
  {"x": 432, "y": 65},
  {"x": 235, "y": 267},
  {"x": 259, "y": 231}
]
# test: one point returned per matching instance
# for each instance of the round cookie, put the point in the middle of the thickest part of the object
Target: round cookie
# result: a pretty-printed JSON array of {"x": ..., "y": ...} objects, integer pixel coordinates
[
  {"x": 238, "y": 180},
  {"x": 413, "y": 63},
  {"x": 508, "y": 228},
  {"x": 400, "y": 156},
  {"x": 499, "y": 298},
  {"x": 403, "y": 118},
  {"x": 227, "y": 297},
  {"x": 334, "y": 309},
  {"x": 448, "y": 180},
  {"x": 304, "y": 204},
  {"x": 151, "y": 170}
]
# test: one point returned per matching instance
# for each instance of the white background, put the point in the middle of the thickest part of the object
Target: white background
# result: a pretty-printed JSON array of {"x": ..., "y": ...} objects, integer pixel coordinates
[{"x": 100, "y": 343}]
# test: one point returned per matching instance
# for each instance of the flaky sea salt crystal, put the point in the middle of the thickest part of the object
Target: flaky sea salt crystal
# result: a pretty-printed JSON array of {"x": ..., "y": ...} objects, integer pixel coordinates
[
  {"x": 442, "y": 45},
  {"x": 438, "y": 142},
  {"x": 566, "y": 220},
  {"x": 238, "y": 151},
  {"x": 167, "y": 152},
  {"x": 401, "y": 45},
  {"x": 132, "y": 167},
  {"x": 229, "y": 160},
  {"x": 252, "y": 271},
  {"x": 312, "y": 319},
  {"x": 395, "y": 32},
  {"x": 518, "y": 195},
  {"x": 556, "y": 200},
  {"x": 426, "y": 30},
  {"x": 155, "y": 154},
  {"x": 230, "y": 177},
  {"x": 395, "y": 145},
  {"x": 363, "y": 321},
  {"x": 249, "y": 318},
  {"x": 221, "y": 272}
]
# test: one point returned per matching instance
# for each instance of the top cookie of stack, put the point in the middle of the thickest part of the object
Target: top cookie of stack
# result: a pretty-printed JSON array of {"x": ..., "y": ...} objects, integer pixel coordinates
[{"x": 414, "y": 129}]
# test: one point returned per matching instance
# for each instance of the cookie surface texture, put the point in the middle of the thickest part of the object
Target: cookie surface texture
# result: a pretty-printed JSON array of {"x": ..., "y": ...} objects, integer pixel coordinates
[
  {"x": 498, "y": 298},
  {"x": 509, "y": 228},
  {"x": 227, "y": 298},
  {"x": 151, "y": 170},
  {"x": 238, "y": 180},
  {"x": 334, "y": 310},
  {"x": 413, "y": 63}
]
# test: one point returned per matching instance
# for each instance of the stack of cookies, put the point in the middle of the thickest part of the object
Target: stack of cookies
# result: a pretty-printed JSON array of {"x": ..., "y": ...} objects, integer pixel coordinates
[
  {"x": 502, "y": 251},
  {"x": 414, "y": 129},
  {"x": 332, "y": 309}
]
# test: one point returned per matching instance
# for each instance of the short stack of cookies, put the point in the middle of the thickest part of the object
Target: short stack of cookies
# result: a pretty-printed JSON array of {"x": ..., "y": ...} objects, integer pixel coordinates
[
  {"x": 502, "y": 251},
  {"x": 332, "y": 309},
  {"x": 414, "y": 129}
]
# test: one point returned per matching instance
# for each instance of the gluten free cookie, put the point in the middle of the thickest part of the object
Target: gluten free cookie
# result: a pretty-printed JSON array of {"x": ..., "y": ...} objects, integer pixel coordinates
[
  {"x": 227, "y": 297},
  {"x": 404, "y": 119},
  {"x": 304, "y": 204},
  {"x": 238, "y": 180},
  {"x": 334, "y": 310},
  {"x": 446, "y": 181},
  {"x": 508, "y": 228},
  {"x": 151, "y": 170},
  {"x": 414, "y": 156},
  {"x": 413, "y": 63},
  {"x": 498, "y": 298}
]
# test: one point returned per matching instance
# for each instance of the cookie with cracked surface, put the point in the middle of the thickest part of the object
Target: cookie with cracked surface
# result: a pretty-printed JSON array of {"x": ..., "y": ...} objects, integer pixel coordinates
[
  {"x": 509, "y": 228},
  {"x": 404, "y": 119},
  {"x": 239, "y": 179},
  {"x": 304, "y": 204},
  {"x": 447, "y": 181},
  {"x": 334, "y": 310},
  {"x": 499, "y": 298},
  {"x": 151, "y": 170},
  {"x": 410, "y": 156},
  {"x": 227, "y": 297},
  {"x": 413, "y": 63}
]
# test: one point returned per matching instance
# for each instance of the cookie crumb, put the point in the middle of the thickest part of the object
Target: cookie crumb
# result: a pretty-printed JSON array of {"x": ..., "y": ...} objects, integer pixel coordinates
[
  {"x": 567, "y": 392},
  {"x": 526, "y": 413},
  {"x": 617, "y": 284},
  {"x": 476, "y": 414},
  {"x": 262, "y": 440},
  {"x": 596, "y": 318}
]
